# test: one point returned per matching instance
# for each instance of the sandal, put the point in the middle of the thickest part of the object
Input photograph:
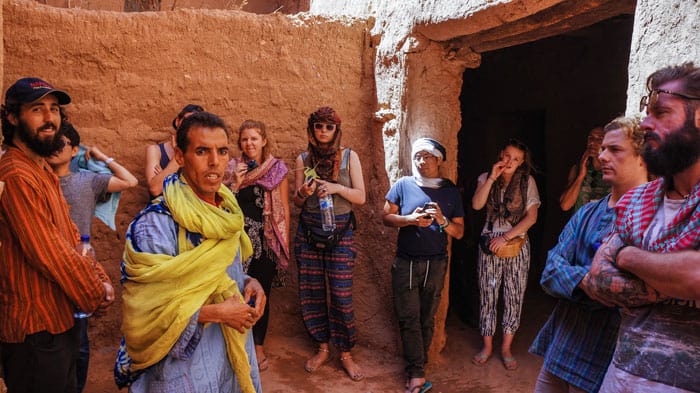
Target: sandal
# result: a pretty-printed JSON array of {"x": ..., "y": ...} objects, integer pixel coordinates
[
  {"x": 420, "y": 388},
  {"x": 509, "y": 363},
  {"x": 481, "y": 358},
  {"x": 355, "y": 376},
  {"x": 312, "y": 364}
]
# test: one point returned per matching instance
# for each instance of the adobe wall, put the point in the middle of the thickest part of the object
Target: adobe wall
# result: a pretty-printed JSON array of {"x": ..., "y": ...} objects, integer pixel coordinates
[
  {"x": 129, "y": 74},
  {"x": 665, "y": 33},
  {"x": 255, "y": 6}
]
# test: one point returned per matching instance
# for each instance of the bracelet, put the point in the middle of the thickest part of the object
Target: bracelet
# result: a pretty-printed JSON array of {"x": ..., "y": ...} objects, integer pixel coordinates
[
  {"x": 493, "y": 180},
  {"x": 109, "y": 160},
  {"x": 614, "y": 260},
  {"x": 447, "y": 224}
]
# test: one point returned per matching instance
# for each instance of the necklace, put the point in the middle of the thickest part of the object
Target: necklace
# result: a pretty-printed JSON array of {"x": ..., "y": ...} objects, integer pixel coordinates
[{"x": 684, "y": 196}]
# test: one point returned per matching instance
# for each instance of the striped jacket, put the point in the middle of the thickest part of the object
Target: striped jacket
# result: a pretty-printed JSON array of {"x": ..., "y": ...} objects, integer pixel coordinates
[{"x": 43, "y": 279}]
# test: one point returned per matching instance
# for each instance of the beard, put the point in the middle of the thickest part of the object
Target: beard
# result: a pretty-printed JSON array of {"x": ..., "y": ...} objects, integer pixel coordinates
[
  {"x": 44, "y": 147},
  {"x": 677, "y": 152}
]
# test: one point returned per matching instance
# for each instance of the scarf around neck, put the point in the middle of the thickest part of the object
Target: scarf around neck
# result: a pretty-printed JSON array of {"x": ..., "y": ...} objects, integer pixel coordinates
[
  {"x": 326, "y": 160},
  {"x": 512, "y": 207},
  {"x": 269, "y": 175},
  {"x": 163, "y": 292},
  {"x": 637, "y": 208}
]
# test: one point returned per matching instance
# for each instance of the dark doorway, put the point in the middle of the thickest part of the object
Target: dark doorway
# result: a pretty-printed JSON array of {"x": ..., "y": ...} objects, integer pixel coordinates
[{"x": 548, "y": 94}]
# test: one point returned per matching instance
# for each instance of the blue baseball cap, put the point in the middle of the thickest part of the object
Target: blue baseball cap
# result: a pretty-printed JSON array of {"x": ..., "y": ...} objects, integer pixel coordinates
[{"x": 27, "y": 90}]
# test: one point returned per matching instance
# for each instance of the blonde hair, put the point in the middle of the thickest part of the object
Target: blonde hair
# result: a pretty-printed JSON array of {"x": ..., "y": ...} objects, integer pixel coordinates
[{"x": 630, "y": 126}]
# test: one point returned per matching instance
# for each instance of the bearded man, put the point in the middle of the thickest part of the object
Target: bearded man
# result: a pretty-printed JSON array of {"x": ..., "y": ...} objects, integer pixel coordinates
[
  {"x": 43, "y": 279},
  {"x": 650, "y": 265}
]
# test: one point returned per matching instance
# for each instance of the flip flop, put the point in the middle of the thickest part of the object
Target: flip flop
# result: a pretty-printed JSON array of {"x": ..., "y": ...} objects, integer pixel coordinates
[
  {"x": 480, "y": 359},
  {"x": 509, "y": 363},
  {"x": 421, "y": 388},
  {"x": 426, "y": 386}
]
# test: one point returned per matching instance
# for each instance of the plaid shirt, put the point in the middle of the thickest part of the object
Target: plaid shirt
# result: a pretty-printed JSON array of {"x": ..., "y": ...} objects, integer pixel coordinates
[
  {"x": 42, "y": 277},
  {"x": 578, "y": 340}
]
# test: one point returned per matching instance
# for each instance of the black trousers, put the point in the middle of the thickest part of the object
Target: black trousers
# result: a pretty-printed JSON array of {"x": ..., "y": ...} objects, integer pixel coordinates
[
  {"x": 43, "y": 363},
  {"x": 263, "y": 270},
  {"x": 417, "y": 287}
]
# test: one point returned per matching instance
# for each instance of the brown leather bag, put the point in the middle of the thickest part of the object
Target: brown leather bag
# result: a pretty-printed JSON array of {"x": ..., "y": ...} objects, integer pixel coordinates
[{"x": 511, "y": 248}]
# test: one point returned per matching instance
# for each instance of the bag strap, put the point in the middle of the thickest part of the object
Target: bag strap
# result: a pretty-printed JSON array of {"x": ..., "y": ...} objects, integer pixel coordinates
[{"x": 338, "y": 233}]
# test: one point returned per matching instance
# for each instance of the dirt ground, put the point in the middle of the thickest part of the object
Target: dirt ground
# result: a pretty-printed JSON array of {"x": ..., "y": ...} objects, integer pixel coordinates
[{"x": 288, "y": 347}]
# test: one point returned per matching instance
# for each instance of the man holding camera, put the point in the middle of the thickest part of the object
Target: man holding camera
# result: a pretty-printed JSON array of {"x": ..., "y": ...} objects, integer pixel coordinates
[{"x": 426, "y": 208}]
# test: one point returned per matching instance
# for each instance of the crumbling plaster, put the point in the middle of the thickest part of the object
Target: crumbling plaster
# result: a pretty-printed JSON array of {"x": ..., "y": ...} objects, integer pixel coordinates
[
  {"x": 395, "y": 31},
  {"x": 665, "y": 33}
]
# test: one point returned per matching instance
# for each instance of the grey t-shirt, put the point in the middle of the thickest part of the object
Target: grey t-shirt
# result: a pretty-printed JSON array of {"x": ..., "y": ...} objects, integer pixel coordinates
[
  {"x": 661, "y": 342},
  {"x": 82, "y": 191}
]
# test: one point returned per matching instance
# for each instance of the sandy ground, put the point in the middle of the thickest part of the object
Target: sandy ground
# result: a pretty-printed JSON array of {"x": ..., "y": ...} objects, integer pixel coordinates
[{"x": 452, "y": 372}]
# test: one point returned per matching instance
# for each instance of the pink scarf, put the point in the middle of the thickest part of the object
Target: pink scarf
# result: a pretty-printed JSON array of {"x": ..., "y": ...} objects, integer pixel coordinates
[{"x": 269, "y": 175}]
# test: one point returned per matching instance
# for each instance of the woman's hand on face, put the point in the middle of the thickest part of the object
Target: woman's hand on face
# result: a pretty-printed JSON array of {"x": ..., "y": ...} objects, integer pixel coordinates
[{"x": 498, "y": 168}]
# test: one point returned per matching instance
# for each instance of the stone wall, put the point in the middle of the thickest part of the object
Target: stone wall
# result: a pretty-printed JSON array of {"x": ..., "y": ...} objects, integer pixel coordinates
[{"x": 129, "y": 74}]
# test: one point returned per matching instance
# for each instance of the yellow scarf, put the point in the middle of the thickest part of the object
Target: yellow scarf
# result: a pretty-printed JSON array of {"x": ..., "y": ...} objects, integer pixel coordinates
[{"x": 163, "y": 292}]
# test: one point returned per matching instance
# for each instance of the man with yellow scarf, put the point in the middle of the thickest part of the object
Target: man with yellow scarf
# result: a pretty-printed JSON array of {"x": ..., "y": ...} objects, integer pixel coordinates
[{"x": 186, "y": 319}]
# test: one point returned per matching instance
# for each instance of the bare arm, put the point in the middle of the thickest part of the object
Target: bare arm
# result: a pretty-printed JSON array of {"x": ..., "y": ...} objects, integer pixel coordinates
[
  {"x": 611, "y": 286},
  {"x": 301, "y": 190},
  {"x": 122, "y": 178},
  {"x": 392, "y": 218},
  {"x": 355, "y": 195},
  {"x": 567, "y": 200},
  {"x": 233, "y": 312},
  {"x": 675, "y": 274},
  {"x": 529, "y": 219},
  {"x": 154, "y": 173},
  {"x": 481, "y": 195}
]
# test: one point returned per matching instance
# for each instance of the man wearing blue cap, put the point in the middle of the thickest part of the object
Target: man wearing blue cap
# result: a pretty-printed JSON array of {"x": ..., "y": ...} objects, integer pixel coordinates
[
  {"x": 43, "y": 279},
  {"x": 426, "y": 208}
]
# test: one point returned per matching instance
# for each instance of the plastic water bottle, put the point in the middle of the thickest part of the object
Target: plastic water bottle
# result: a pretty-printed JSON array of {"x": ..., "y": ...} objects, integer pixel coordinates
[
  {"x": 327, "y": 213},
  {"x": 85, "y": 249}
]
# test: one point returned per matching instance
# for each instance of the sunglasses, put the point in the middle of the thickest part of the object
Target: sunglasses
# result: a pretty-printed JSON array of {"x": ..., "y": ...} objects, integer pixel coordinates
[
  {"x": 329, "y": 127},
  {"x": 650, "y": 100}
]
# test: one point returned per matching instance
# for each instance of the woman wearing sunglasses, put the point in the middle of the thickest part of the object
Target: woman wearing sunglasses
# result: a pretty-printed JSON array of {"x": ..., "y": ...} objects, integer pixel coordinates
[
  {"x": 339, "y": 174},
  {"x": 511, "y": 199}
]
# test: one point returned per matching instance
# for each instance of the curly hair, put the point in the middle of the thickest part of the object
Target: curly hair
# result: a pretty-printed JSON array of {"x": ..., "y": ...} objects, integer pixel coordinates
[{"x": 630, "y": 126}]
